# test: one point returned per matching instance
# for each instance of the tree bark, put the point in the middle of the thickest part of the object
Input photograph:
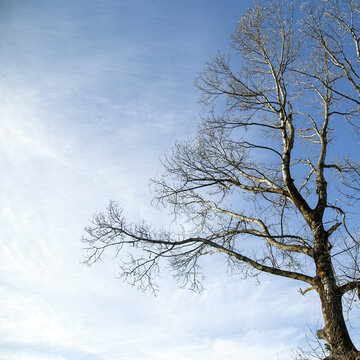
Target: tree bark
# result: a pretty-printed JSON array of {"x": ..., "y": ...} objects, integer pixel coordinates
[{"x": 335, "y": 331}]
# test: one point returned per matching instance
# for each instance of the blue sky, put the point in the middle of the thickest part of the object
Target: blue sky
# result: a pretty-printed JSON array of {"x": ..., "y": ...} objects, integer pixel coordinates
[{"x": 92, "y": 94}]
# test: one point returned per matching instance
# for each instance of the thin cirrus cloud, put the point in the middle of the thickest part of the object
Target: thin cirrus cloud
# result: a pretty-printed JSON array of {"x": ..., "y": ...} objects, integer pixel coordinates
[{"x": 92, "y": 96}]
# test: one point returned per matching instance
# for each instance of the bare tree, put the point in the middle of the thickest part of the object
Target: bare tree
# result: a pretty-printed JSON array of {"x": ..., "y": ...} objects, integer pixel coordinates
[{"x": 268, "y": 181}]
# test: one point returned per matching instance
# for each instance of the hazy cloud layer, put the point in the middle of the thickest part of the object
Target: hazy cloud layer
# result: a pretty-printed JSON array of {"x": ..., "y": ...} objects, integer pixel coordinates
[{"x": 92, "y": 95}]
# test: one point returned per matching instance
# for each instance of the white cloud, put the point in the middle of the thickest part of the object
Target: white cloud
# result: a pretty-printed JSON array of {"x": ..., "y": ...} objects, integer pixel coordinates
[
  {"x": 74, "y": 134},
  {"x": 26, "y": 355}
]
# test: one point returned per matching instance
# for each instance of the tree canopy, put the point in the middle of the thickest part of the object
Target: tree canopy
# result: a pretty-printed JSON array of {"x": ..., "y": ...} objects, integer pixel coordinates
[{"x": 271, "y": 178}]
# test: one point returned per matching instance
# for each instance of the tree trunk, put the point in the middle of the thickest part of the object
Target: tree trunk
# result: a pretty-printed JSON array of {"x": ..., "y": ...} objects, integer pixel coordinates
[{"x": 335, "y": 331}]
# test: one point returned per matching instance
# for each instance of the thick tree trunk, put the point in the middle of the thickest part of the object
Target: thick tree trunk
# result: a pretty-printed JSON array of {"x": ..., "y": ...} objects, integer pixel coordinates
[{"x": 335, "y": 331}]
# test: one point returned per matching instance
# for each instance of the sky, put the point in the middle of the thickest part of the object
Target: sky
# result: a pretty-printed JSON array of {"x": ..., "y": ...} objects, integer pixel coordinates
[{"x": 93, "y": 93}]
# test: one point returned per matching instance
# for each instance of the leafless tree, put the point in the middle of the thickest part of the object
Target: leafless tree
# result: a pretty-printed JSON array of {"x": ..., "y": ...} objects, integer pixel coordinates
[{"x": 271, "y": 179}]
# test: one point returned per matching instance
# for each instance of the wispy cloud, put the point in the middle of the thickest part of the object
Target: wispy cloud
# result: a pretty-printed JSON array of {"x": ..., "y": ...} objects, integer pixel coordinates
[{"x": 89, "y": 103}]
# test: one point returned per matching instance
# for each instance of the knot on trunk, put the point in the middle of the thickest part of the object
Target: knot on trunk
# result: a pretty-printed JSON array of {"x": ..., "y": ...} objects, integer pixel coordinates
[{"x": 321, "y": 334}]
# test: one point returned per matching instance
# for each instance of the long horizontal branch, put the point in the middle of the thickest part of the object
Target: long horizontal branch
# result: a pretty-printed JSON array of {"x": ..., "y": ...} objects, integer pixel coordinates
[{"x": 134, "y": 239}]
